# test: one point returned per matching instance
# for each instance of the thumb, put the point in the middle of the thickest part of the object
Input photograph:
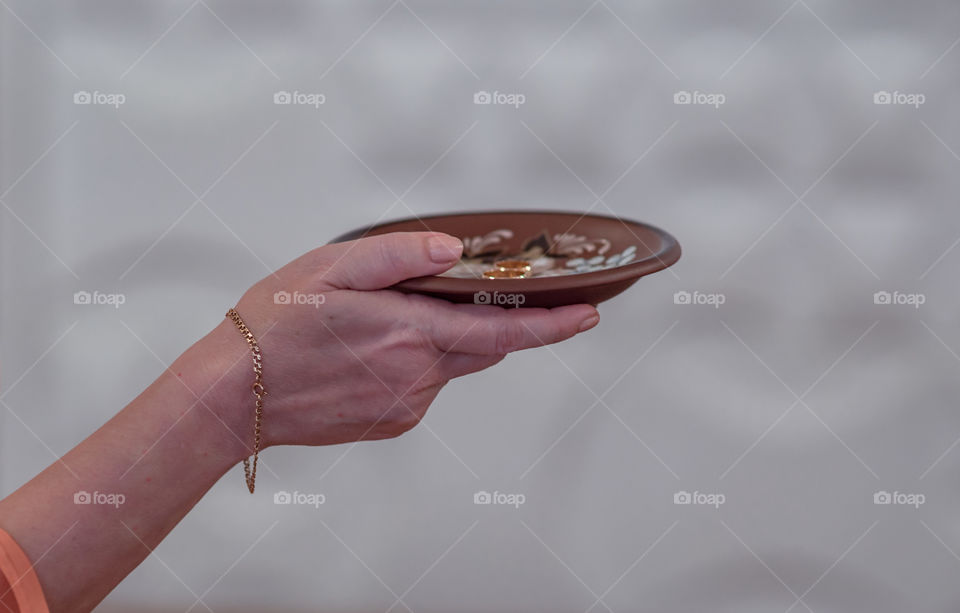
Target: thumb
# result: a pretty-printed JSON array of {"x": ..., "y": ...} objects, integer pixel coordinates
[{"x": 376, "y": 262}]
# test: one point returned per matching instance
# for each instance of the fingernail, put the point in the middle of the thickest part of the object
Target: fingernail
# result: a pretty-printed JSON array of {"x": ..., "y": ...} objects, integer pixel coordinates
[
  {"x": 444, "y": 249},
  {"x": 589, "y": 322}
]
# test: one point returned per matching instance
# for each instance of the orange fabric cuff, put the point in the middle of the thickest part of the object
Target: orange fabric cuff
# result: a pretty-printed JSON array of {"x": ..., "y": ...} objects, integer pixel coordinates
[{"x": 17, "y": 569}]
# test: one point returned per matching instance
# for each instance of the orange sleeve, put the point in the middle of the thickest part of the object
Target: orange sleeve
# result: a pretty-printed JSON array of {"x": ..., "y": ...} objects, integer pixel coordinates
[{"x": 19, "y": 573}]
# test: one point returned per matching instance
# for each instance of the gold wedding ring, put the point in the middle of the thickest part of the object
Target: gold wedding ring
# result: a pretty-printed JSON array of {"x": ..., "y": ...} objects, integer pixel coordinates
[
  {"x": 508, "y": 269},
  {"x": 521, "y": 265},
  {"x": 502, "y": 273}
]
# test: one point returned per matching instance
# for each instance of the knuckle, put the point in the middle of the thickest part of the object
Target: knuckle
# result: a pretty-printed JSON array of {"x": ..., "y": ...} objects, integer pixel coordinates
[
  {"x": 398, "y": 420},
  {"x": 508, "y": 337},
  {"x": 391, "y": 251},
  {"x": 322, "y": 273},
  {"x": 407, "y": 422},
  {"x": 315, "y": 265},
  {"x": 555, "y": 334},
  {"x": 422, "y": 339},
  {"x": 412, "y": 342}
]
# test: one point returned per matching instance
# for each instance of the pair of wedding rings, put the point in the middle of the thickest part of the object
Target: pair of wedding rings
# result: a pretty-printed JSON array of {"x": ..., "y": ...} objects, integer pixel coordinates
[{"x": 508, "y": 269}]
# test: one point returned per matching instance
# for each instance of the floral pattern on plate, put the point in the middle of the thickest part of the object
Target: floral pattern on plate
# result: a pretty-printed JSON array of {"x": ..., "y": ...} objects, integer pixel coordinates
[{"x": 549, "y": 254}]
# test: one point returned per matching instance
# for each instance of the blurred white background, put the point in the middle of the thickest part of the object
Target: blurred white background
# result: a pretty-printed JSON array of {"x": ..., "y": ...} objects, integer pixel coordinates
[{"x": 797, "y": 399}]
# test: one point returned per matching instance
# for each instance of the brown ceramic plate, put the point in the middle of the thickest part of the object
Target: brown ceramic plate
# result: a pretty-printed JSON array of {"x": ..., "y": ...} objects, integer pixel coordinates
[{"x": 573, "y": 257}]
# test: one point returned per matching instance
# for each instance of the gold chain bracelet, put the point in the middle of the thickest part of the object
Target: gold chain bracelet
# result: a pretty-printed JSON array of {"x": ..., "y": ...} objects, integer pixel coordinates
[{"x": 259, "y": 391}]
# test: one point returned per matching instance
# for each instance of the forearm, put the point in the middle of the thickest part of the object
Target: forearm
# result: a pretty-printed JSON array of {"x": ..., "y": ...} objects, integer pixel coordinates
[{"x": 148, "y": 466}]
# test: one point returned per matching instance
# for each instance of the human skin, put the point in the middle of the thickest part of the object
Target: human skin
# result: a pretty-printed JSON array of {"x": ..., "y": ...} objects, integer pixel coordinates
[{"x": 363, "y": 365}]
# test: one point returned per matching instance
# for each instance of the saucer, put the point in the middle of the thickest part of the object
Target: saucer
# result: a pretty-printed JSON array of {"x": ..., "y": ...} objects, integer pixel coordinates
[{"x": 563, "y": 257}]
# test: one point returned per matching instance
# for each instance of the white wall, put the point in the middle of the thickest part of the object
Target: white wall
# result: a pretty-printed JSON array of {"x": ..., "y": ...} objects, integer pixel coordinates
[{"x": 799, "y": 82}]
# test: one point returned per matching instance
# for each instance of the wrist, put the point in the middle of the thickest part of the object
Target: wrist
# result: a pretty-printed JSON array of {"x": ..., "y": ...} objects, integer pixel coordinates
[{"x": 217, "y": 369}]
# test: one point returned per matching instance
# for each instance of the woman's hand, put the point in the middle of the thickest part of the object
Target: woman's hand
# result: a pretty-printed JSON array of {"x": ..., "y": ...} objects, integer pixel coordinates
[{"x": 345, "y": 360}]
